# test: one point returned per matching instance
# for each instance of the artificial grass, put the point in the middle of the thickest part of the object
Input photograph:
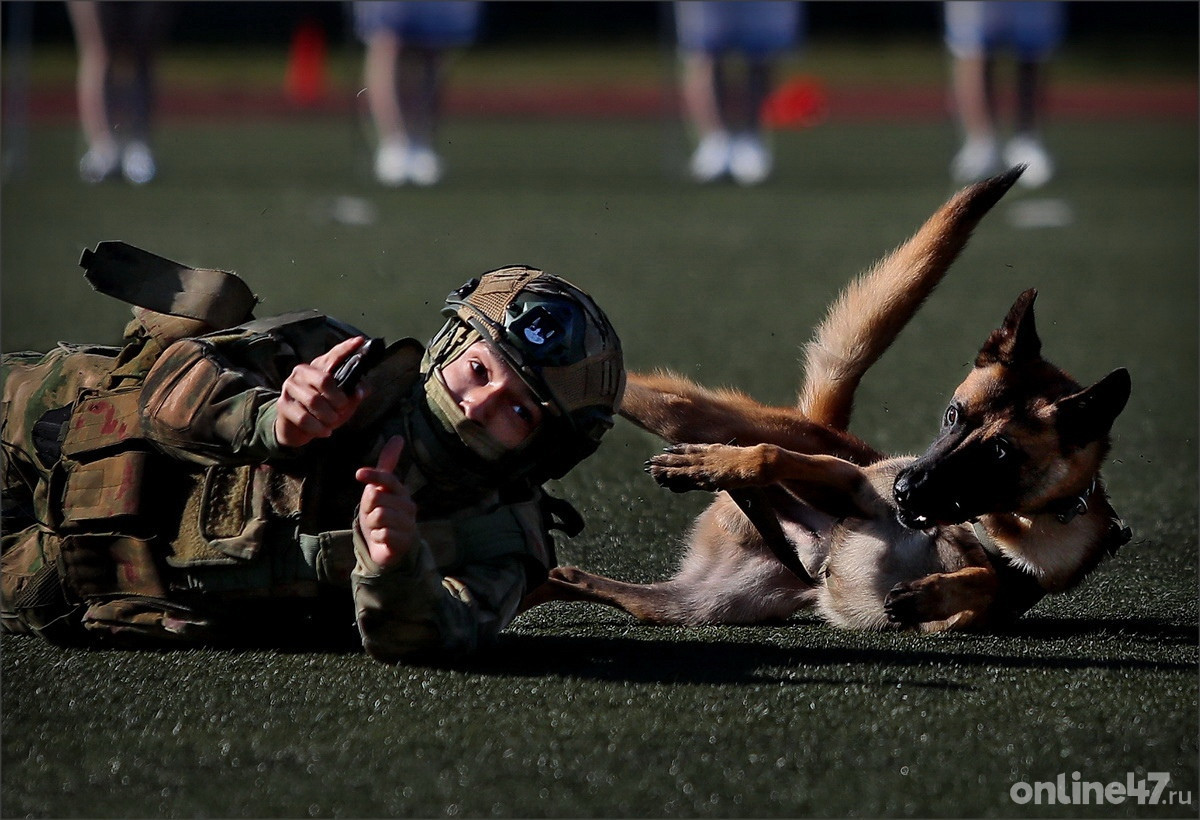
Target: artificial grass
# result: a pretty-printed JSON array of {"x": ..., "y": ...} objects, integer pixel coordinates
[{"x": 581, "y": 711}]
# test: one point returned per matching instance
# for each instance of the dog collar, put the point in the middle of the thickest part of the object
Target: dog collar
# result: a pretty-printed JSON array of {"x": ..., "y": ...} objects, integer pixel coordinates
[{"x": 985, "y": 539}]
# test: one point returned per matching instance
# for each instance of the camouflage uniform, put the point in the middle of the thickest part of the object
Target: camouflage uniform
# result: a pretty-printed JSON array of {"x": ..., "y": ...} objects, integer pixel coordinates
[{"x": 146, "y": 497}]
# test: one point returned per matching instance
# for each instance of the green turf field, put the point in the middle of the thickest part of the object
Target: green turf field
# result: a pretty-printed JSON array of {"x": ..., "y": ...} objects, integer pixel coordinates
[{"x": 581, "y": 712}]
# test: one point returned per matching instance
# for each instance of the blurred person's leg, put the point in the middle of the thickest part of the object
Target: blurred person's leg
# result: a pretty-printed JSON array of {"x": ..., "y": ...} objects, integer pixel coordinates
[
  {"x": 1036, "y": 30},
  {"x": 406, "y": 42},
  {"x": 101, "y": 158},
  {"x": 142, "y": 29},
  {"x": 380, "y": 74},
  {"x": 750, "y": 160},
  {"x": 701, "y": 89},
  {"x": 421, "y": 103},
  {"x": 701, "y": 34},
  {"x": 975, "y": 103},
  {"x": 432, "y": 29},
  {"x": 972, "y": 70},
  {"x": 761, "y": 32}
]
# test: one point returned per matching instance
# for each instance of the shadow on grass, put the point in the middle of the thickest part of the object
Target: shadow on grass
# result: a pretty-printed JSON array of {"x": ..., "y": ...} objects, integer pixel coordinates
[
  {"x": 1142, "y": 629},
  {"x": 756, "y": 655},
  {"x": 716, "y": 661}
]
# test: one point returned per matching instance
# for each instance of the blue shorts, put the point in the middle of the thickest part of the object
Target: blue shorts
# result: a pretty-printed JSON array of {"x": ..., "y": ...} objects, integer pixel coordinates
[
  {"x": 757, "y": 29},
  {"x": 1031, "y": 30},
  {"x": 428, "y": 24}
]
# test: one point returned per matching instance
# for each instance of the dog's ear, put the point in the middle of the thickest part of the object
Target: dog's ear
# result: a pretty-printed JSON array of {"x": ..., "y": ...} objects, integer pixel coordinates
[
  {"x": 1016, "y": 340},
  {"x": 1088, "y": 415}
]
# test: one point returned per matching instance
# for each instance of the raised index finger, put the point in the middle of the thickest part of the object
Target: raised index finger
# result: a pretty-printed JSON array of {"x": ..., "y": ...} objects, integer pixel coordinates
[
  {"x": 383, "y": 474},
  {"x": 389, "y": 456},
  {"x": 330, "y": 359}
]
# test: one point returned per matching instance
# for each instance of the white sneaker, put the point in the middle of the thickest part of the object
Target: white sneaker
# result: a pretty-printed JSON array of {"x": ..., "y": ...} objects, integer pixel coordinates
[
  {"x": 977, "y": 159},
  {"x": 99, "y": 163},
  {"x": 391, "y": 163},
  {"x": 1027, "y": 150},
  {"x": 750, "y": 161},
  {"x": 137, "y": 163},
  {"x": 711, "y": 159},
  {"x": 424, "y": 166}
]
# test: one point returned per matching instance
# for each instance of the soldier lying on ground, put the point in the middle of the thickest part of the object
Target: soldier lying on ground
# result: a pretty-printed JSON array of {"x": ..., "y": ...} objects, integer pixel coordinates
[{"x": 210, "y": 480}]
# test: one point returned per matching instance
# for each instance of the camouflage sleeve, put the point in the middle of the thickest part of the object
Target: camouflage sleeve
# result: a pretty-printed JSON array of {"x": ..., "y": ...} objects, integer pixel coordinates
[
  {"x": 417, "y": 607},
  {"x": 212, "y": 399}
]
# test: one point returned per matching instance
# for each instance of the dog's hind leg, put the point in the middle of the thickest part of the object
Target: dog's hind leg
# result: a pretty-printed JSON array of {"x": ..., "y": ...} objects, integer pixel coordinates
[
  {"x": 653, "y": 603},
  {"x": 727, "y": 576}
]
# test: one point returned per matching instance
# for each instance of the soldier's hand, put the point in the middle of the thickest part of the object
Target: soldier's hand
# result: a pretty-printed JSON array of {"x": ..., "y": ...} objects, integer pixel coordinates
[
  {"x": 311, "y": 405},
  {"x": 387, "y": 515}
]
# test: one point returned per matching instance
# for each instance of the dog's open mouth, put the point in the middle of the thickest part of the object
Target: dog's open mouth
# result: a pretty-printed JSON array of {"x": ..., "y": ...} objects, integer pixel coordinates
[
  {"x": 914, "y": 521},
  {"x": 924, "y": 520}
]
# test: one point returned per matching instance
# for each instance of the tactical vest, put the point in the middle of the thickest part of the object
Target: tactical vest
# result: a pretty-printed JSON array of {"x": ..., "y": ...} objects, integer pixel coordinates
[{"x": 119, "y": 517}]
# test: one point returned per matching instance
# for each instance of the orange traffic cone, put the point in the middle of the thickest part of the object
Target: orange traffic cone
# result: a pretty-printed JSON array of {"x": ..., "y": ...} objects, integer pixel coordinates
[{"x": 306, "y": 81}]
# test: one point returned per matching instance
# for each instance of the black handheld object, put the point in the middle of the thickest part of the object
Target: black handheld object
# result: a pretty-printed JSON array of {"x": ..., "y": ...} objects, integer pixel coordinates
[{"x": 351, "y": 370}]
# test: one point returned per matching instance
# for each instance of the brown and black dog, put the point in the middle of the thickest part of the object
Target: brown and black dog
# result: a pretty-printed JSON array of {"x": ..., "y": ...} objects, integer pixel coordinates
[{"x": 1005, "y": 506}]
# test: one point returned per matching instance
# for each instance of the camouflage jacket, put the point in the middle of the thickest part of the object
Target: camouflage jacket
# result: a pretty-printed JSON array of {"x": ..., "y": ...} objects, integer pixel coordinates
[{"x": 214, "y": 510}]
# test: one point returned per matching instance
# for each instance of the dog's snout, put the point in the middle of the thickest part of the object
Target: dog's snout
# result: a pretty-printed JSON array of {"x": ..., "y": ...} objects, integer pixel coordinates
[{"x": 903, "y": 486}]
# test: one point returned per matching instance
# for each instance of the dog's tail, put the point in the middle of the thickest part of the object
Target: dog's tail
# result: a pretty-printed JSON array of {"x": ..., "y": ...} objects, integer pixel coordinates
[{"x": 870, "y": 312}]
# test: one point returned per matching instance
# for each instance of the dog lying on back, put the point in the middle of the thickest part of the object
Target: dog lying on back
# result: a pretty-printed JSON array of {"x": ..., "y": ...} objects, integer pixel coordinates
[{"x": 1005, "y": 506}]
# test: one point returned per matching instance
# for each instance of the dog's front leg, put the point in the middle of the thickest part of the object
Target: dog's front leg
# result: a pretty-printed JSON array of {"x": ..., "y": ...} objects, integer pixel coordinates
[
  {"x": 684, "y": 467},
  {"x": 679, "y": 410},
  {"x": 944, "y": 600},
  {"x": 832, "y": 485}
]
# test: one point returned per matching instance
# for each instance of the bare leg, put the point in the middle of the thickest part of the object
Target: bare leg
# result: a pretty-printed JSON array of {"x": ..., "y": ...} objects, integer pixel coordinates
[
  {"x": 379, "y": 75},
  {"x": 700, "y": 93},
  {"x": 974, "y": 100},
  {"x": 1025, "y": 148},
  {"x": 974, "y": 97},
  {"x": 703, "y": 102},
  {"x": 95, "y": 65},
  {"x": 420, "y": 100}
]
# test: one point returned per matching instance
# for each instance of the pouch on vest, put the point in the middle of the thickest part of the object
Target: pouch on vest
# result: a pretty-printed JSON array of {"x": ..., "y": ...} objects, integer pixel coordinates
[
  {"x": 102, "y": 466},
  {"x": 229, "y": 513},
  {"x": 102, "y": 564},
  {"x": 143, "y": 617}
]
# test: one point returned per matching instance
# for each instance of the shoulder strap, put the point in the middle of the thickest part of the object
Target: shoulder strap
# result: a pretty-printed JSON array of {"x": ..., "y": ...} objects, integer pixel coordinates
[{"x": 217, "y": 298}]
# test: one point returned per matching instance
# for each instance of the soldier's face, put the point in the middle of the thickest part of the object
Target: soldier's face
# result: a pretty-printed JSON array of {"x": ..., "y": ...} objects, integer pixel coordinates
[{"x": 491, "y": 394}]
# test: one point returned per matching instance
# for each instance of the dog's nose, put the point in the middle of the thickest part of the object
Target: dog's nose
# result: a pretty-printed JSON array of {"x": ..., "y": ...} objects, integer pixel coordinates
[{"x": 903, "y": 486}]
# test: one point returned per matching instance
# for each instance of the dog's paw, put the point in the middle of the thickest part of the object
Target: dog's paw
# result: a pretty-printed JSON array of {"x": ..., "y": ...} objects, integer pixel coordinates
[
  {"x": 905, "y": 604},
  {"x": 681, "y": 468}
]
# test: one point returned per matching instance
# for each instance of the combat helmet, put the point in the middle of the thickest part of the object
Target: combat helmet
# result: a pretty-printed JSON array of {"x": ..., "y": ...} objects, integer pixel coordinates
[{"x": 560, "y": 343}]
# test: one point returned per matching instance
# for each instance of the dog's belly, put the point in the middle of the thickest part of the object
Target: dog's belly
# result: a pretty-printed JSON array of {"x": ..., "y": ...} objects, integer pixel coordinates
[
  {"x": 865, "y": 561},
  {"x": 729, "y": 575}
]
